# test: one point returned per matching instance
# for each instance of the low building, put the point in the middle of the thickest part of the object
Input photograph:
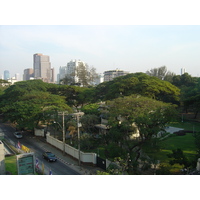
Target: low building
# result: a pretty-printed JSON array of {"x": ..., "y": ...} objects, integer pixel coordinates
[{"x": 111, "y": 74}]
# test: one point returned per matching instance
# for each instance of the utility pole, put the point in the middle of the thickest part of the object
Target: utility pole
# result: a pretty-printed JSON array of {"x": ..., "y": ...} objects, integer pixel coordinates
[
  {"x": 63, "y": 133},
  {"x": 63, "y": 129},
  {"x": 78, "y": 115},
  {"x": 79, "y": 153}
]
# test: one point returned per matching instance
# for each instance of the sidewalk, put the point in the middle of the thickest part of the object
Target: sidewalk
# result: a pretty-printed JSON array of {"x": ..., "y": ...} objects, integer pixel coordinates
[{"x": 84, "y": 169}]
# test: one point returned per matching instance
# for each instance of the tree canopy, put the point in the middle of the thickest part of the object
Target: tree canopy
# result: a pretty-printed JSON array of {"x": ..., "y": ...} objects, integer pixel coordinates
[
  {"x": 138, "y": 83},
  {"x": 28, "y": 103}
]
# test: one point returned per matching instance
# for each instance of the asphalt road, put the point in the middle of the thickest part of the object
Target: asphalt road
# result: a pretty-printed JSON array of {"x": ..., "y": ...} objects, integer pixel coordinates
[{"x": 36, "y": 146}]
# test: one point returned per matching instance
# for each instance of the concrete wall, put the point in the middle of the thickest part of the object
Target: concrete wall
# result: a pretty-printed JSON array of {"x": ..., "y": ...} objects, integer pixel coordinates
[
  {"x": 84, "y": 157},
  {"x": 2, "y": 159},
  {"x": 39, "y": 132}
]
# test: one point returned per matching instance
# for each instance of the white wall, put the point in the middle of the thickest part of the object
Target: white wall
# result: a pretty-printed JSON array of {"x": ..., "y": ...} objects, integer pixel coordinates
[
  {"x": 84, "y": 157},
  {"x": 2, "y": 159}
]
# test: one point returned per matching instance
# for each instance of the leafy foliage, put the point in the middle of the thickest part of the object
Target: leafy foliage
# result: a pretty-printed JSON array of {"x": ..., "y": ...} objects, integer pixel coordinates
[
  {"x": 28, "y": 103},
  {"x": 138, "y": 83},
  {"x": 178, "y": 157}
]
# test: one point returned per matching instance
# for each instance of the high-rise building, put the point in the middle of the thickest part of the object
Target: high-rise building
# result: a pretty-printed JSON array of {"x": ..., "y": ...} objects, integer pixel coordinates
[
  {"x": 42, "y": 67},
  {"x": 17, "y": 77},
  {"x": 52, "y": 75},
  {"x": 111, "y": 74},
  {"x": 6, "y": 75},
  {"x": 28, "y": 74},
  {"x": 72, "y": 69},
  {"x": 183, "y": 71}
]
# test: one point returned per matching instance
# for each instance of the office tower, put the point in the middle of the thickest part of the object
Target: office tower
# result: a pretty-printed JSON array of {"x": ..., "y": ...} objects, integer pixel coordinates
[
  {"x": 111, "y": 74},
  {"x": 6, "y": 75},
  {"x": 42, "y": 67},
  {"x": 28, "y": 74},
  {"x": 183, "y": 71}
]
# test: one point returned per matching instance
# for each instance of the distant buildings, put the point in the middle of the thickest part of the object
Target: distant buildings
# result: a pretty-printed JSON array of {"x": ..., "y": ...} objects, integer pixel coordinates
[
  {"x": 28, "y": 74},
  {"x": 111, "y": 74},
  {"x": 12, "y": 80},
  {"x": 42, "y": 68},
  {"x": 183, "y": 71},
  {"x": 75, "y": 72},
  {"x": 6, "y": 75},
  {"x": 71, "y": 71}
]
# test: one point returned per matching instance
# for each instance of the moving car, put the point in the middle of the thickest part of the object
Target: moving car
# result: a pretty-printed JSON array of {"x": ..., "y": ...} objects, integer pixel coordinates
[
  {"x": 49, "y": 156},
  {"x": 18, "y": 135}
]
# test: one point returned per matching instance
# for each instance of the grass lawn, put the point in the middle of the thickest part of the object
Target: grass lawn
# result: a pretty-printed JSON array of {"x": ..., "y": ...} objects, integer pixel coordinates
[
  {"x": 11, "y": 165},
  {"x": 185, "y": 143},
  {"x": 191, "y": 126},
  {"x": 173, "y": 142}
]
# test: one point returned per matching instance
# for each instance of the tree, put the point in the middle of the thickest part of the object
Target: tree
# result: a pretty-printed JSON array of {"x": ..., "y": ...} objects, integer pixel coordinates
[
  {"x": 88, "y": 123},
  {"x": 185, "y": 80},
  {"x": 136, "y": 112},
  {"x": 179, "y": 158},
  {"x": 28, "y": 106},
  {"x": 3, "y": 85},
  {"x": 161, "y": 73},
  {"x": 138, "y": 83}
]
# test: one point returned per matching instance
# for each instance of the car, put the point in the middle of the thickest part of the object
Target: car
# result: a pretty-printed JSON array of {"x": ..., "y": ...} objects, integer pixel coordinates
[
  {"x": 49, "y": 156},
  {"x": 18, "y": 135}
]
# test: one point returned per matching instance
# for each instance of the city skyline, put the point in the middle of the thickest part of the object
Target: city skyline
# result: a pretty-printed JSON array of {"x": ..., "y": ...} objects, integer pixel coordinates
[{"x": 133, "y": 48}]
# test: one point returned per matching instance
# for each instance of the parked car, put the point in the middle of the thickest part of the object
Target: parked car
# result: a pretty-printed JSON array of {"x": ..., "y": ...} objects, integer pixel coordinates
[
  {"x": 49, "y": 156},
  {"x": 18, "y": 135}
]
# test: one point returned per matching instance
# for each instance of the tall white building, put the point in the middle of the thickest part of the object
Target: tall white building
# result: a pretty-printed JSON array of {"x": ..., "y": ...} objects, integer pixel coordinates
[
  {"x": 42, "y": 67},
  {"x": 71, "y": 70},
  {"x": 17, "y": 77},
  {"x": 183, "y": 71}
]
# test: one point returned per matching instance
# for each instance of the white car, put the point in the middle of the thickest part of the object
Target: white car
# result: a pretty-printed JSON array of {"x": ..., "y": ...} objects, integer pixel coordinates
[{"x": 18, "y": 135}]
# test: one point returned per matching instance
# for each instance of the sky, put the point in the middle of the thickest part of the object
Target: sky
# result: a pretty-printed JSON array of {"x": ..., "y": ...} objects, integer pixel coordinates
[
  {"x": 132, "y": 43},
  {"x": 133, "y": 48}
]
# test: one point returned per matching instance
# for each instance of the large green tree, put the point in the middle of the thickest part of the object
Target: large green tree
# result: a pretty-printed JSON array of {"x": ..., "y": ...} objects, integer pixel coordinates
[
  {"x": 138, "y": 83},
  {"x": 136, "y": 112},
  {"x": 28, "y": 103},
  {"x": 161, "y": 73}
]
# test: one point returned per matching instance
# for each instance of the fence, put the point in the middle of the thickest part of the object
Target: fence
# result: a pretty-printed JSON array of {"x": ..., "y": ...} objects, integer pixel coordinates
[{"x": 84, "y": 157}]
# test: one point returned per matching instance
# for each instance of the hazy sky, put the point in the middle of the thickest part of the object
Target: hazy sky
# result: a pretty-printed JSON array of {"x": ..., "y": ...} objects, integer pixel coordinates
[{"x": 133, "y": 48}]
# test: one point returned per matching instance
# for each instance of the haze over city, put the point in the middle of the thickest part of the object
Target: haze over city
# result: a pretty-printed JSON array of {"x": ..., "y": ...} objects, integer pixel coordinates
[{"x": 133, "y": 48}]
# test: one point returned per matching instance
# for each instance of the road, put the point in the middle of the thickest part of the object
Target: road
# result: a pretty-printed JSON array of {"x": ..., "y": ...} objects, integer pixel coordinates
[{"x": 36, "y": 146}]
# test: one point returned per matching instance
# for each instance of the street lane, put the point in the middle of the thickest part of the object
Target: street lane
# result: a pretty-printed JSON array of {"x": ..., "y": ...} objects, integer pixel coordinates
[{"x": 36, "y": 146}]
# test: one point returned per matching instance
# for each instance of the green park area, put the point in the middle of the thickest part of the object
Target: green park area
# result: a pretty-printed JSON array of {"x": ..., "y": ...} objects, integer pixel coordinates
[{"x": 114, "y": 112}]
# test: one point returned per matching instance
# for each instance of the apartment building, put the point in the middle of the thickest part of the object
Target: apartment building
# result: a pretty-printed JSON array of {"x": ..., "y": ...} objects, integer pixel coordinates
[{"x": 111, "y": 74}]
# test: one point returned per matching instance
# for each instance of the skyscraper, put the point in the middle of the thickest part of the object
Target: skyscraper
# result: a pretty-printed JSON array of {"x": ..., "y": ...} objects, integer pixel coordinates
[
  {"x": 28, "y": 74},
  {"x": 6, "y": 75},
  {"x": 42, "y": 67}
]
